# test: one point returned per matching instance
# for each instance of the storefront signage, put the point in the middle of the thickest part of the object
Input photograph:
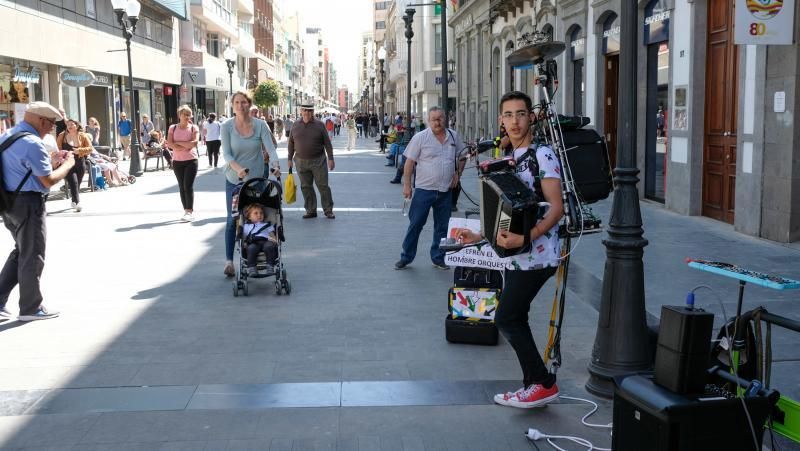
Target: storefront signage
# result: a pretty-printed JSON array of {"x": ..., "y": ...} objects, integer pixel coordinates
[
  {"x": 141, "y": 84},
  {"x": 578, "y": 49},
  {"x": 656, "y": 22},
  {"x": 438, "y": 80},
  {"x": 464, "y": 24},
  {"x": 103, "y": 80},
  {"x": 611, "y": 36},
  {"x": 29, "y": 75},
  {"x": 220, "y": 82},
  {"x": 764, "y": 22},
  {"x": 76, "y": 77}
]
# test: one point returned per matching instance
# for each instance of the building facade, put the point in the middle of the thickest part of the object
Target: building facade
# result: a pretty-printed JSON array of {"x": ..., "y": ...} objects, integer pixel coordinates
[
  {"x": 31, "y": 68},
  {"x": 710, "y": 139}
]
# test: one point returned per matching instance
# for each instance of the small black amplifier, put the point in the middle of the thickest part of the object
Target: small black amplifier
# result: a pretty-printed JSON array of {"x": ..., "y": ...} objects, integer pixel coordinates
[
  {"x": 648, "y": 417},
  {"x": 684, "y": 346}
]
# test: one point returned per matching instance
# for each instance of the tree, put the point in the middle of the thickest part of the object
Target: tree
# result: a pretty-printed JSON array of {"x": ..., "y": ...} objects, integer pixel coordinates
[{"x": 267, "y": 94}]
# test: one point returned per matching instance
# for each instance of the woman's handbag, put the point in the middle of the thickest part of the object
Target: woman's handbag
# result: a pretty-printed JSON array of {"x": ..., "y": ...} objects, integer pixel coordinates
[{"x": 290, "y": 189}]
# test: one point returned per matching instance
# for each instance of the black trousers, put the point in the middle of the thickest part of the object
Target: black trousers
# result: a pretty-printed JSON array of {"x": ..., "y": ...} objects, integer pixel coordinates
[
  {"x": 212, "y": 149},
  {"x": 26, "y": 222},
  {"x": 185, "y": 172},
  {"x": 269, "y": 248},
  {"x": 511, "y": 319},
  {"x": 75, "y": 177}
]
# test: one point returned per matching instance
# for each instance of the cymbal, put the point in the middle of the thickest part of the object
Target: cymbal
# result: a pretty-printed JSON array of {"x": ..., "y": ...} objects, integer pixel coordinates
[{"x": 536, "y": 52}]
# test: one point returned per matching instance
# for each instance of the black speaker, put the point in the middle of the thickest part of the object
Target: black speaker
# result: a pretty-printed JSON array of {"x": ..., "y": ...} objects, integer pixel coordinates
[
  {"x": 684, "y": 344},
  {"x": 648, "y": 417},
  {"x": 588, "y": 159}
]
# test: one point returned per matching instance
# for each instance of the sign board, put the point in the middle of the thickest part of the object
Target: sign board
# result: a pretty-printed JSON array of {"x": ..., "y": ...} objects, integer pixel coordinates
[
  {"x": 656, "y": 22},
  {"x": 103, "y": 80},
  {"x": 29, "y": 75},
  {"x": 472, "y": 257},
  {"x": 763, "y": 22},
  {"x": 76, "y": 77}
]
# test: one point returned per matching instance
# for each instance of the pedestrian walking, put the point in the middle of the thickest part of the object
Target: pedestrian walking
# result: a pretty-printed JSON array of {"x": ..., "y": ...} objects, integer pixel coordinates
[
  {"x": 360, "y": 125},
  {"x": 386, "y": 123},
  {"x": 310, "y": 146},
  {"x": 80, "y": 144},
  {"x": 278, "y": 127},
  {"x": 182, "y": 138},
  {"x": 211, "y": 132},
  {"x": 243, "y": 139},
  {"x": 124, "y": 128},
  {"x": 287, "y": 124},
  {"x": 433, "y": 155},
  {"x": 527, "y": 272},
  {"x": 329, "y": 126},
  {"x": 27, "y": 178},
  {"x": 350, "y": 124}
]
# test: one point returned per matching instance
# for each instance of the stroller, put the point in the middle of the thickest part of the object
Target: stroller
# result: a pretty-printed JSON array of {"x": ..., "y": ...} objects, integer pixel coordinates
[{"x": 269, "y": 194}]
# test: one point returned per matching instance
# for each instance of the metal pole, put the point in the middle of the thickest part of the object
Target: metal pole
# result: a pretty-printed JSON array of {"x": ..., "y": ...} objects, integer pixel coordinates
[
  {"x": 621, "y": 344},
  {"x": 135, "y": 168},
  {"x": 230, "y": 86},
  {"x": 409, "y": 20},
  {"x": 383, "y": 102},
  {"x": 445, "y": 78}
]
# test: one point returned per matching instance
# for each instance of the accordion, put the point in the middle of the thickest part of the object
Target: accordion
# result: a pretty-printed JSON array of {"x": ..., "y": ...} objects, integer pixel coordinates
[{"x": 507, "y": 203}]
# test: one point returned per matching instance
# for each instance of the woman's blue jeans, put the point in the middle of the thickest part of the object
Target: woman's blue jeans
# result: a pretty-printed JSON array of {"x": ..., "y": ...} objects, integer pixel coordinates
[{"x": 230, "y": 222}]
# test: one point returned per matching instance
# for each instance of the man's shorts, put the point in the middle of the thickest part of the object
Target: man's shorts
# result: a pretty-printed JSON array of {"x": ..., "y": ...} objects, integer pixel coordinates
[{"x": 125, "y": 141}]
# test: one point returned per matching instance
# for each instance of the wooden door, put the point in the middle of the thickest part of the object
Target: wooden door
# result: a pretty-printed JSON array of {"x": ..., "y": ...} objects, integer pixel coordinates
[
  {"x": 722, "y": 81},
  {"x": 610, "y": 102}
]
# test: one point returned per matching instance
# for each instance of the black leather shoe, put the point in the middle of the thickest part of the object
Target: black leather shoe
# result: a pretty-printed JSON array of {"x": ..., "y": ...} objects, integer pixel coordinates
[
  {"x": 394, "y": 181},
  {"x": 400, "y": 265},
  {"x": 309, "y": 215}
]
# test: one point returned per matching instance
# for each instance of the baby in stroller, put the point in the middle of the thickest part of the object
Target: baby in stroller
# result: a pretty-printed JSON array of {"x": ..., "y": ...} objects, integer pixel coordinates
[{"x": 259, "y": 234}]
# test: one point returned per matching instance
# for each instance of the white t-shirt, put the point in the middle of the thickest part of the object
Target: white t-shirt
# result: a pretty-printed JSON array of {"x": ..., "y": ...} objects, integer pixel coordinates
[
  {"x": 212, "y": 130},
  {"x": 545, "y": 250}
]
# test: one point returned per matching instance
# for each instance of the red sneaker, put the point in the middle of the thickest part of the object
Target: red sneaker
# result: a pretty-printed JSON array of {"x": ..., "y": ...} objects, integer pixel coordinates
[
  {"x": 504, "y": 399},
  {"x": 534, "y": 396}
]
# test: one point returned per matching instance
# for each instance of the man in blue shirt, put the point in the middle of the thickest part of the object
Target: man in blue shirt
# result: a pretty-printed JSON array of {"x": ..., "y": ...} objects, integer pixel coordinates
[
  {"x": 25, "y": 218},
  {"x": 124, "y": 129}
]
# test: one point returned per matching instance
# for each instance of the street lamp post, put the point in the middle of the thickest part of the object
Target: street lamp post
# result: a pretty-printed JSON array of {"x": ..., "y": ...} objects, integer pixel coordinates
[
  {"x": 230, "y": 58},
  {"x": 451, "y": 69},
  {"x": 127, "y": 12},
  {"x": 409, "y": 20},
  {"x": 445, "y": 94},
  {"x": 621, "y": 342},
  {"x": 381, "y": 59},
  {"x": 372, "y": 86}
]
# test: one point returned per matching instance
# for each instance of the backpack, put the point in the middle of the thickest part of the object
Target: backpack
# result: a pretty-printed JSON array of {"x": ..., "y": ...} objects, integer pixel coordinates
[{"x": 7, "y": 198}]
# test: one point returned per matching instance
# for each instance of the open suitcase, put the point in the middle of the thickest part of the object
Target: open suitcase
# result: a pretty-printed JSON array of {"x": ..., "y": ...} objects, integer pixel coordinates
[{"x": 472, "y": 302}]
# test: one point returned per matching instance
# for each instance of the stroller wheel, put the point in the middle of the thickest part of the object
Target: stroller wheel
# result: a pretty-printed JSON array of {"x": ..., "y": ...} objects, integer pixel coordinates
[
  {"x": 278, "y": 288},
  {"x": 131, "y": 179},
  {"x": 235, "y": 289},
  {"x": 287, "y": 287},
  {"x": 244, "y": 288}
]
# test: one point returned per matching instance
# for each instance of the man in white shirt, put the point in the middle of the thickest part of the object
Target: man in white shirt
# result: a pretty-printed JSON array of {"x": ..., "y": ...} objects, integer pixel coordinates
[{"x": 433, "y": 154}]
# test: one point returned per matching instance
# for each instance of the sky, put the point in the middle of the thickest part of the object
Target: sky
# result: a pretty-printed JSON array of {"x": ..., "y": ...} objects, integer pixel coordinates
[{"x": 342, "y": 23}]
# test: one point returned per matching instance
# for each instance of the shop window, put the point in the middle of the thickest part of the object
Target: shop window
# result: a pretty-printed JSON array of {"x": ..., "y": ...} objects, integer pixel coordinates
[
  {"x": 437, "y": 43},
  {"x": 70, "y": 99}
]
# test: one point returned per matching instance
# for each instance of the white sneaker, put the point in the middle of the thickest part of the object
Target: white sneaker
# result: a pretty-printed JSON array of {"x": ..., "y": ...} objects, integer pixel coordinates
[
  {"x": 187, "y": 217},
  {"x": 77, "y": 207}
]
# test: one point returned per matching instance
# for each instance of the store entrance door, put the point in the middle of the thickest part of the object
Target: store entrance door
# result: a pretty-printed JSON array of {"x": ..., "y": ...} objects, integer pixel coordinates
[
  {"x": 610, "y": 102},
  {"x": 656, "y": 121},
  {"x": 722, "y": 81},
  {"x": 98, "y": 105}
]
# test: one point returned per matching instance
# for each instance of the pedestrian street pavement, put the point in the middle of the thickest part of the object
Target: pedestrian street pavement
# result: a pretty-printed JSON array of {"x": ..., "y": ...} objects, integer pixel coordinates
[{"x": 152, "y": 351}]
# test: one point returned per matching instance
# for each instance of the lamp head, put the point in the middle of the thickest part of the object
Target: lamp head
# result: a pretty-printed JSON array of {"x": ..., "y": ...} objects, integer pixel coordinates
[
  {"x": 119, "y": 5},
  {"x": 381, "y": 54},
  {"x": 229, "y": 54},
  {"x": 132, "y": 9},
  {"x": 451, "y": 66}
]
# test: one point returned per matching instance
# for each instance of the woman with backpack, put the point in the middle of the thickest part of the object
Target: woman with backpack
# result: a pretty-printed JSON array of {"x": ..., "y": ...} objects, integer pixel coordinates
[{"x": 182, "y": 139}]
